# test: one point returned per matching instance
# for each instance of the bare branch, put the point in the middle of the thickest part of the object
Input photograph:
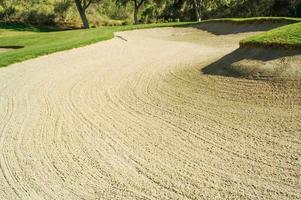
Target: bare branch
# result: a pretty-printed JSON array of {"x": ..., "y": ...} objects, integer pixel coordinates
[
  {"x": 140, "y": 3},
  {"x": 89, "y": 3}
]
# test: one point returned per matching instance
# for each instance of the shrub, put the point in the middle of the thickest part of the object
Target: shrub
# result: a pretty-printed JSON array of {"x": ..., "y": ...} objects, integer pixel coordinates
[
  {"x": 61, "y": 10},
  {"x": 298, "y": 9}
]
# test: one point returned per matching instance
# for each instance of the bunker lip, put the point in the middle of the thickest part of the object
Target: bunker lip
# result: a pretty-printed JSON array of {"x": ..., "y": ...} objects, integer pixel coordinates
[
  {"x": 9, "y": 48},
  {"x": 258, "y": 63},
  {"x": 230, "y": 27},
  {"x": 270, "y": 45}
]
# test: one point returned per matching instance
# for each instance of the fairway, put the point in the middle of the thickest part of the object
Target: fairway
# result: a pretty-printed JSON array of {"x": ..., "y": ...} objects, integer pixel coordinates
[{"x": 135, "y": 117}]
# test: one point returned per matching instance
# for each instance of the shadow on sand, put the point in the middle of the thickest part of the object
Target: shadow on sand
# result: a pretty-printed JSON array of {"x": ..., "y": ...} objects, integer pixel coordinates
[
  {"x": 225, "y": 28},
  {"x": 224, "y": 66}
]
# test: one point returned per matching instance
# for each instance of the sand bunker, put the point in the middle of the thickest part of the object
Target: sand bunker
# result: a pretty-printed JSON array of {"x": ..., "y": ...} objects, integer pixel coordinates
[
  {"x": 225, "y": 28},
  {"x": 259, "y": 63},
  {"x": 134, "y": 118},
  {"x": 5, "y": 50}
]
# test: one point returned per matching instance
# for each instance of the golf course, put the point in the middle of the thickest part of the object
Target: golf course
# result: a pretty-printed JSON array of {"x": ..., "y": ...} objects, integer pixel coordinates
[{"x": 179, "y": 110}]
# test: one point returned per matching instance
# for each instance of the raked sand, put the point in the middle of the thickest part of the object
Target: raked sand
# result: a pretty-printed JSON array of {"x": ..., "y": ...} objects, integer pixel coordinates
[{"x": 135, "y": 118}]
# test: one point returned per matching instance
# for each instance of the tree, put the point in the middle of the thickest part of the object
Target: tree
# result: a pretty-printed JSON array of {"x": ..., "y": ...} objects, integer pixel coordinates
[
  {"x": 283, "y": 7},
  {"x": 298, "y": 8},
  {"x": 198, "y": 10},
  {"x": 137, "y": 6},
  {"x": 82, "y": 6}
]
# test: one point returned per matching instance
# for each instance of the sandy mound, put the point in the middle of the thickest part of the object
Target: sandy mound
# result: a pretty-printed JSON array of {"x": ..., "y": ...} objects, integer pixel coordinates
[
  {"x": 252, "y": 62},
  {"x": 259, "y": 63}
]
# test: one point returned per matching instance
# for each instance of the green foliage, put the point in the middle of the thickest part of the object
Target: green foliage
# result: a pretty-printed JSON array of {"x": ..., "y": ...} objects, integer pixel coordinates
[
  {"x": 298, "y": 9},
  {"x": 113, "y": 10},
  {"x": 61, "y": 8},
  {"x": 109, "y": 12}
]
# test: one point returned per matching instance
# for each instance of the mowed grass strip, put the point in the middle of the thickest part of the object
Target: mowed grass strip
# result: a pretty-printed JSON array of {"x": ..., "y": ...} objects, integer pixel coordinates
[
  {"x": 40, "y": 42},
  {"x": 287, "y": 37}
]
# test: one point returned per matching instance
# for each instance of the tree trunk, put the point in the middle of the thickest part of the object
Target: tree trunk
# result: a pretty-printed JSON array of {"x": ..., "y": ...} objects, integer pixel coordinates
[
  {"x": 82, "y": 13},
  {"x": 136, "y": 8},
  {"x": 200, "y": 4},
  {"x": 197, "y": 8}
]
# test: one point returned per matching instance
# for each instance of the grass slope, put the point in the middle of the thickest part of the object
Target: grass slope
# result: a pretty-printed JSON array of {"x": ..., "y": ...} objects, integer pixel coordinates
[
  {"x": 40, "y": 42},
  {"x": 288, "y": 37}
]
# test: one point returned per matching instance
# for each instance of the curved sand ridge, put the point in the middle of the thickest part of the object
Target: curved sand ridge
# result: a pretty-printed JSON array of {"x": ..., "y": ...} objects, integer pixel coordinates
[
  {"x": 135, "y": 118},
  {"x": 259, "y": 63}
]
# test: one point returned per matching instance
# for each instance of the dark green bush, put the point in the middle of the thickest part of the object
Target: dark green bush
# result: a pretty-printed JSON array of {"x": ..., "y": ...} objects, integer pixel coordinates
[
  {"x": 298, "y": 9},
  {"x": 39, "y": 18},
  {"x": 7, "y": 13}
]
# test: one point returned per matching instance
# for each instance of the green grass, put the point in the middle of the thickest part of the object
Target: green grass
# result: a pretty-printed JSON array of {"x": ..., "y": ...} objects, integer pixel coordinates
[
  {"x": 37, "y": 42},
  {"x": 288, "y": 37}
]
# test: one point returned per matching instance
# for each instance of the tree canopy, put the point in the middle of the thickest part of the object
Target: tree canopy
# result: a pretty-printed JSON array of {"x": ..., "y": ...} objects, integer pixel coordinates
[{"x": 117, "y": 12}]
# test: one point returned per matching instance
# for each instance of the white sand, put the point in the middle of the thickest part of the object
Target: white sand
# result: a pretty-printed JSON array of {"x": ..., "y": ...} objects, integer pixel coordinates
[{"x": 137, "y": 119}]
